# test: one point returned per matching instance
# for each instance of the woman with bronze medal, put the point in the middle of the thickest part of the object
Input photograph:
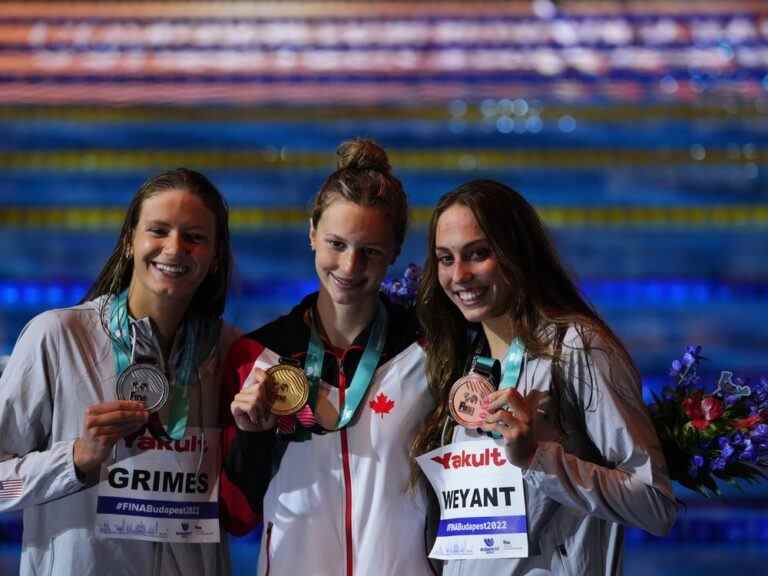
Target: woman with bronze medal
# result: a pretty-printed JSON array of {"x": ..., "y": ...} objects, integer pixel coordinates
[
  {"x": 109, "y": 410},
  {"x": 540, "y": 448},
  {"x": 327, "y": 398}
]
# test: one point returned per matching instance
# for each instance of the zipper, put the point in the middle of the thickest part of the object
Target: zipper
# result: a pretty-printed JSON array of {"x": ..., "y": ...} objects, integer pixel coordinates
[
  {"x": 562, "y": 554},
  {"x": 268, "y": 546},
  {"x": 347, "y": 478}
]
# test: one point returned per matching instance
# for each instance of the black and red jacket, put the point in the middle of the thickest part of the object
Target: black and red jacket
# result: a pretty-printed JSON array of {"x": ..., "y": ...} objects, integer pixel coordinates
[{"x": 343, "y": 495}]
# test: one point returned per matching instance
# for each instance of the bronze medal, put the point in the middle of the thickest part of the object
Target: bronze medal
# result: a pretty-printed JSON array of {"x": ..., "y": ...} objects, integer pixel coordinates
[
  {"x": 464, "y": 399},
  {"x": 145, "y": 383},
  {"x": 291, "y": 389}
]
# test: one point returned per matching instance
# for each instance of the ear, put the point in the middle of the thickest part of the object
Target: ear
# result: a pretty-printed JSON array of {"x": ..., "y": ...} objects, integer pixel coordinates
[{"x": 312, "y": 235}]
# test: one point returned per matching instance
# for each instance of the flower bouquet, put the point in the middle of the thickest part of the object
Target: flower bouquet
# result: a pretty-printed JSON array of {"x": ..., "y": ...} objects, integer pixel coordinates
[
  {"x": 711, "y": 436},
  {"x": 403, "y": 290}
]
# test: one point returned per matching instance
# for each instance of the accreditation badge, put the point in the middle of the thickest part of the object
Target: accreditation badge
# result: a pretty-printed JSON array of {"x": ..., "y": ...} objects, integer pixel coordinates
[
  {"x": 162, "y": 490},
  {"x": 482, "y": 501}
]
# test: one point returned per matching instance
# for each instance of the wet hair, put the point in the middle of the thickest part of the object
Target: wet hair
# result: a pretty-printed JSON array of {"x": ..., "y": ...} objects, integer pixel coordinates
[
  {"x": 543, "y": 294},
  {"x": 364, "y": 176},
  {"x": 210, "y": 297}
]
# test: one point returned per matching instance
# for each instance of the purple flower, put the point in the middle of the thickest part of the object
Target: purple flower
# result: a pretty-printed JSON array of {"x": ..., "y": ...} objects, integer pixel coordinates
[
  {"x": 748, "y": 452},
  {"x": 726, "y": 450},
  {"x": 403, "y": 290},
  {"x": 695, "y": 465},
  {"x": 719, "y": 464},
  {"x": 412, "y": 272},
  {"x": 760, "y": 391},
  {"x": 694, "y": 351},
  {"x": 759, "y": 433}
]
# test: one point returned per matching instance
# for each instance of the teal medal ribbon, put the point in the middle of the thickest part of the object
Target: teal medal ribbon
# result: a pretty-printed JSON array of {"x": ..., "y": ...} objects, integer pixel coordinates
[
  {"x": 313, "y": 367},
  {"x": 510, "y": 367},
  {"x": 122, "y": 346}
]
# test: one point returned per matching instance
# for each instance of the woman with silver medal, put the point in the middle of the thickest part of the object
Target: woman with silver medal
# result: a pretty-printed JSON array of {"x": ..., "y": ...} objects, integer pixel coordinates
[
  {"x": 327, "y": 398},
  {"x": 97, "y": 394},
  {"x": 529, "y": 377}
]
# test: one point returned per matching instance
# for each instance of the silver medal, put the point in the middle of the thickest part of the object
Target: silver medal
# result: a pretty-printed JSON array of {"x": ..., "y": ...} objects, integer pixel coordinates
[{"x": 144, "y": 383}]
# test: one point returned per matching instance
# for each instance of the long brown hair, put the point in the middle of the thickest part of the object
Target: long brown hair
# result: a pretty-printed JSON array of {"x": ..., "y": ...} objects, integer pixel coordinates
[
  {"x": 543, "y": 293},
  {"x": 364, "y": 176},
  {"x": 210, "y": 297}
]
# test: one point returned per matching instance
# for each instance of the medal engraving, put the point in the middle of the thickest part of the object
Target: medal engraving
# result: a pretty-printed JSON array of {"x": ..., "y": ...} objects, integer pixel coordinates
[
  {"x": 144, "y": 383},
  {"x": 464, "y": 399},
  {"x": 291, "y": 389}
]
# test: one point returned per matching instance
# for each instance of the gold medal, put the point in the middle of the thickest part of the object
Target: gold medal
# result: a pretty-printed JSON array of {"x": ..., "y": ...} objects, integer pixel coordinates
[
  {"x": 464, "y": 399},
  {"x": 291, "y": 389}
]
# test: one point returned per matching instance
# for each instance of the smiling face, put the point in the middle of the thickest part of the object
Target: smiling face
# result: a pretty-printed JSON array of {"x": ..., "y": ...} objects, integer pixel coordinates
[
  {"x": 173, "y": 248},
  {"x": 354, "y": 245},
  {"x": 467, "y": 267}
]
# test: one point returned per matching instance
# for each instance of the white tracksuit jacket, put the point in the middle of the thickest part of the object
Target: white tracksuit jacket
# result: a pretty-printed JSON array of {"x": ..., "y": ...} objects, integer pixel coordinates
[
  {"x": 337, "y": 504},
  {"x": 598, "y": 467},
  {"x": 63, "y": 362}
]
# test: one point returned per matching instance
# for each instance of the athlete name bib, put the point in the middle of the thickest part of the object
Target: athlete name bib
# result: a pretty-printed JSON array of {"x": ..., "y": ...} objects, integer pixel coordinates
[
  {"x": 162, "y": 490},
  {"x": 482, "y": 501}
]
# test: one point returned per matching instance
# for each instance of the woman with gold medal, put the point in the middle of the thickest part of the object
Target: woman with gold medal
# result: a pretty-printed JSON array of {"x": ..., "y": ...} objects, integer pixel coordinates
[
  {"x": 326, "y": 398},
  {"x": 109, "y": 414}
]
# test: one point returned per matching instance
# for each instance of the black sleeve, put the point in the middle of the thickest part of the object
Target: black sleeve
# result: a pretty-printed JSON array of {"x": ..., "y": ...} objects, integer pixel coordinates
[{"x": 249, "y": 465}]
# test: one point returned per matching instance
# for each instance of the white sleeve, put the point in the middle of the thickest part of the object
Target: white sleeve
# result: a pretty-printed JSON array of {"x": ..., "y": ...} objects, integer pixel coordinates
[
  {"x": 630, "y": 485},
  {"x": 33, "y": 470}
]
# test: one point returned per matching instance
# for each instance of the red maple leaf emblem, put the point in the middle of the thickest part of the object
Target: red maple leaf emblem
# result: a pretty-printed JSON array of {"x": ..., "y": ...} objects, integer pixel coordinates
[{"x": 381, "y": 405}]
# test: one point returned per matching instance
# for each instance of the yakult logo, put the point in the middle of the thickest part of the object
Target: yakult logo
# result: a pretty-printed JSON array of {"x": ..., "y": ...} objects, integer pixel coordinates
[
  {"x": 466, "y": 459},
  {"x": 190, "y": 444}
]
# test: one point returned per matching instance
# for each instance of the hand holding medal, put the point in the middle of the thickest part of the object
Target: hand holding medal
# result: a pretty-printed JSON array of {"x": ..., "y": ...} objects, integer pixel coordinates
[
  {"x": 475, "y": 403},
  {"x": 104, "y": 424},
  {"x": 508, "y": 413},
  {"x": 281, "y": 391},
  {"x": 251, "y": 407}
]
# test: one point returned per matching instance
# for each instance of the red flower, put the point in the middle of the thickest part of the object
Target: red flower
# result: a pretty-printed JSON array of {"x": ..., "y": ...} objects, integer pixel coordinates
[
  {"x": 702, "y": 410},
  {"x": 692, "y": 406},
  {"x": 747, "y": 423},
  {"x": 712, "y": 408}
]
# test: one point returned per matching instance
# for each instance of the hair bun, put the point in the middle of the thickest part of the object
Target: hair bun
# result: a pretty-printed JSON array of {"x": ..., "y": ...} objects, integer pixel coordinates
[{"x": 362, "y": 154}]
